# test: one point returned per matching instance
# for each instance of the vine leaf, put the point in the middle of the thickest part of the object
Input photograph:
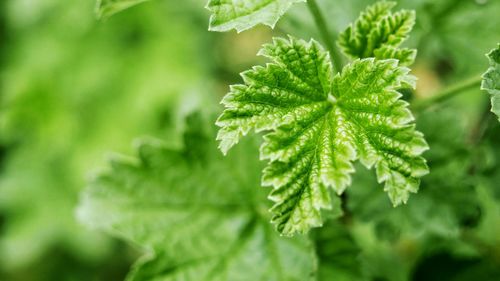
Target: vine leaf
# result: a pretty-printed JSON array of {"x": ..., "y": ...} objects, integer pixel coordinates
[
  {"x": 107, "y": 8},
  {"x": 491, "y": 80},
  {"x": 378, "y": 33},
  {"x": 198, "y": 215},
  {"x": 316, "y": 124},
  {"x": 244, "y": 14}
]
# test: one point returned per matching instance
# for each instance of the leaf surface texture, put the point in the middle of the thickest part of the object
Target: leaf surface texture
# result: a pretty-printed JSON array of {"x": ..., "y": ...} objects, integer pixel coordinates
[
  {"x": 491, "y": 80},
  {"x": 317, "y": 123},
  {"x": 378, "y": 33},
  {"x": 245, "y": 14},
  {"x": 199, "y": 215}
]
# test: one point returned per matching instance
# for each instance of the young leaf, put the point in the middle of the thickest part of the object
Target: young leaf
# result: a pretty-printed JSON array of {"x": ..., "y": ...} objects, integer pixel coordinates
[
  {"x": 244, "y": 14},
  {"x": 316, "y": 124},
  {"x": 491, "y": 80},
  {"x": 378, "y": 33},
  {"x": 200, "y": 216},
  {"x": 107, "y": 8}
]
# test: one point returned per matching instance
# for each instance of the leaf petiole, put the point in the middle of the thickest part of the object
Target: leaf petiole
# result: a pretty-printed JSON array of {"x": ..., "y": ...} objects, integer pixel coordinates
[{"x": 447, "y": 93}]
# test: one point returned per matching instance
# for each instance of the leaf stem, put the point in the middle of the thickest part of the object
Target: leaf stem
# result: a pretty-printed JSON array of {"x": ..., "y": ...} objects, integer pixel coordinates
[
  {"x": 447, "y": 93},
  {"x": 319, "y": 19}
]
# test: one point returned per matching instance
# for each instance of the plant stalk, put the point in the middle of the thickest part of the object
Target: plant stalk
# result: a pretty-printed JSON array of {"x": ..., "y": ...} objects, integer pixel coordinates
[
  {"x": 447, "y": 93},
  {"x": 325, "y": 34}
]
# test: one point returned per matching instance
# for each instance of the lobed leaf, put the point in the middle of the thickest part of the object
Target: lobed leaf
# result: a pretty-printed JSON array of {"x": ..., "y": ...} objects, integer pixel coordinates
[
  {"x": 245, "y": 14},
  {"x": 378, "y": 33},
  {"x": 316, "y": 124},
  {"x": 198, "y": 215},
  {"x": 107, "y": 8},
  {"x": 491, "y": 80}
]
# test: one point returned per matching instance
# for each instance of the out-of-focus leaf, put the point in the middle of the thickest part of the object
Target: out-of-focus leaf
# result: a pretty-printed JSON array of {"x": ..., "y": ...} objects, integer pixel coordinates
[
  {"x": 445, "y": 206},
  {"x": 446, "y": 199},
  {"x": 441, "y": 26},
  {"x": 107, "y": 8},
  {"x": 73, "y": 89},
  {"x": 245, "y": 14},
  {"x": 338, "y": 253},
  {"x": 443, "y": 266},
  {"x": 199, "y": 215},
  {"x": 490, "y": 224}
]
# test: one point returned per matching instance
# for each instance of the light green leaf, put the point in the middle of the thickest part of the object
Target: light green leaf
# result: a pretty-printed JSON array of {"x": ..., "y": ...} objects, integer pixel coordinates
[
  {"x": 199, "y": 216},
  {"x": 51, "y": 147},
  {"x": 316, "y": 124},
  {"x": 107, "y": 8},
  {"x": 245, "y": 14},
  {"x": 491, "y": 80},
  {"x": 378, "y": 33}
]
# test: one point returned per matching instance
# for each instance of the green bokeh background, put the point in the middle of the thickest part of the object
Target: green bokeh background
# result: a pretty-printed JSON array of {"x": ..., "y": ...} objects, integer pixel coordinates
[{"x": 74, "y": 89}]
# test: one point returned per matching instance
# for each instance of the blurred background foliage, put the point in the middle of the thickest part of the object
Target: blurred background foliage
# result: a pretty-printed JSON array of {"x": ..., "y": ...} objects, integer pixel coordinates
[{"x": 73, "y": 88}]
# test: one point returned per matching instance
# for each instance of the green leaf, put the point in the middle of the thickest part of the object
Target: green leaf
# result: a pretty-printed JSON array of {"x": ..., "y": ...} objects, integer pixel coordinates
[
  {"x": 245, "y": 14},
  {"x": 378, "y": 33},
  {"x": 49, "y": 147},
  {"x": 107, "y": 8},
  {"x": 317, "y": 124},
  {"x": 199, "y": 216},
  {"x": 491, "y": 80},
  {"x": 338, "y": 253}
]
